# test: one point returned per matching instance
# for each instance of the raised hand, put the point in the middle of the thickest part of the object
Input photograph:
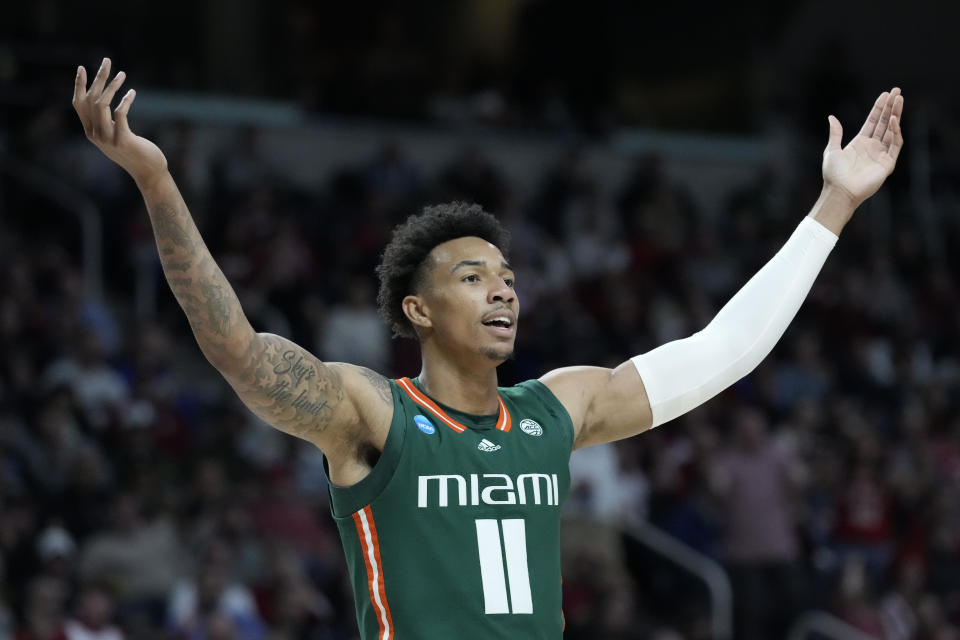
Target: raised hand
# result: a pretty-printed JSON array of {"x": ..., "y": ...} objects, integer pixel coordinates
[
  {"x": 861, "y": 167},
  {"x": 142, "y": 159}
]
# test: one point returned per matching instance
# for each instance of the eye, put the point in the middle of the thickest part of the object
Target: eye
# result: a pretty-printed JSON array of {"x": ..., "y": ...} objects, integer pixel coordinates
[
  {"x": 471, "y": 278},
  {"x": 508, "y": 282}
]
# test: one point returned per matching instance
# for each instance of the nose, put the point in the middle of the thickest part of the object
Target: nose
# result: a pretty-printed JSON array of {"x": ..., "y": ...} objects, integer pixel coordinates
[{"x": 501, "y": 292}]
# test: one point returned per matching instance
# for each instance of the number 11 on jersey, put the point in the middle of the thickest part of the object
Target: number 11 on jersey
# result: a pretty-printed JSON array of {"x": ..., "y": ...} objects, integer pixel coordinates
[{"x": 492, "y": 554}]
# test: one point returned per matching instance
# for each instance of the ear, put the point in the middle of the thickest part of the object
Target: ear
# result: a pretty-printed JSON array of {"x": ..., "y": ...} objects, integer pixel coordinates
[{"x": 416, "y": 310}]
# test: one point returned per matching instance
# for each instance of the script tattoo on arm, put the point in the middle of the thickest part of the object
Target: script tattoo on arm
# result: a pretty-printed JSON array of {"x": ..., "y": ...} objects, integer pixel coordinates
[{"x": 288, "y": 387}]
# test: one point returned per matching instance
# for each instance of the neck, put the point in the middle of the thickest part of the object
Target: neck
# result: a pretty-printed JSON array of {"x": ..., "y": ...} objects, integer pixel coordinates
[{"x": 468, "y": 389}]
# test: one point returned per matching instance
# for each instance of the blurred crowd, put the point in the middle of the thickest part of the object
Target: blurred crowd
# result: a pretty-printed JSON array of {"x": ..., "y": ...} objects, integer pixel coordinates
[
  {"x": 139, "y": 499},
  {"x": 530, "y": 64},
  {"x": 507, "y": 63}
]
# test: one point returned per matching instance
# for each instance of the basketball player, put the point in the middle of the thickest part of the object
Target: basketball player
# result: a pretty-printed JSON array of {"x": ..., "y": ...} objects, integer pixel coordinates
[{"x": 446, "y": 488}]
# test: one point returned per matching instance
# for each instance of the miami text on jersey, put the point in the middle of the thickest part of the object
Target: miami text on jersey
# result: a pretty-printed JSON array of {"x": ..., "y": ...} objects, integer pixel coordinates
[{"x": 489, "y": 488}]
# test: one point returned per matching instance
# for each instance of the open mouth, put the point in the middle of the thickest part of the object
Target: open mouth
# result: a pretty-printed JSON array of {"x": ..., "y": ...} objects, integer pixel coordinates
[
  {"x": 503, "y": 323},
  {"x": 500, "y": 324}
]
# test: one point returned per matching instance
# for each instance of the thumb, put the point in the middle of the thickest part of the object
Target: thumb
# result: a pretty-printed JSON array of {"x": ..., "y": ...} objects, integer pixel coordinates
[{"x": 836, "y": 134}]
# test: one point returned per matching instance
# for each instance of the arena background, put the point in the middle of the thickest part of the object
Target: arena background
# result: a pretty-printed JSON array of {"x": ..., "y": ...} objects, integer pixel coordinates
[{"x": 647, "y": 157}]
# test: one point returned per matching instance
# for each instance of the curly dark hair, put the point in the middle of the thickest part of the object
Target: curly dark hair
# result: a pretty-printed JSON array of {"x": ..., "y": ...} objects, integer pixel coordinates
[{"x": 401, "y": 269}]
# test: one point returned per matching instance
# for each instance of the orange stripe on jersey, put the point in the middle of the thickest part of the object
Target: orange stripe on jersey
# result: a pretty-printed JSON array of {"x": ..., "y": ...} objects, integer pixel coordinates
[
  {"x": 366, "y": 558},
  {"x": 562, "y": 617},
  {"x": 366, "y": 561},
  {"x": 429, "y": 405},
  {"x": 504, "y": 421},
  {"x": 381, "y": 583},
  {"x": 370, "y": 546}
]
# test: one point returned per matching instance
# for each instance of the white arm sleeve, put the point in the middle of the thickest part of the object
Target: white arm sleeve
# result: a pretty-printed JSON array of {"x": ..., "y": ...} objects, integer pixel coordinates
[{"x": 683, "y": 374}]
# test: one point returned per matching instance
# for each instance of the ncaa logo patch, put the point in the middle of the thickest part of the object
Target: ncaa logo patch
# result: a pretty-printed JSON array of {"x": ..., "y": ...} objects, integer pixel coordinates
[
  {"x": 531, "y": 427},
  {"x": 424, "y": 424}
]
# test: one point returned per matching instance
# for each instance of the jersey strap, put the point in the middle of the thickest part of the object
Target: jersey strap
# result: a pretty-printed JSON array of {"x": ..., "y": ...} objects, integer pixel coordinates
[
  {"x": 370, "y": 544},
  {"x": 504, "y": 421}
]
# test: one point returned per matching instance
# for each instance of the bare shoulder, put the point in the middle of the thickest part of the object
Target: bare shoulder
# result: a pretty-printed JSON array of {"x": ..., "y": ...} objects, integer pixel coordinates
[
  {"x": 575, "y": 387},
  {"x": 372, "y": 397},
  {"x": 378, "y": 383},
  {"x": 604, "y": 404}
]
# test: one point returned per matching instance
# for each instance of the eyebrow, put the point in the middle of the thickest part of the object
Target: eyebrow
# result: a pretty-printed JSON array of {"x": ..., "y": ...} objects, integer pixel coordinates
[{"x": 477, "y": 263}]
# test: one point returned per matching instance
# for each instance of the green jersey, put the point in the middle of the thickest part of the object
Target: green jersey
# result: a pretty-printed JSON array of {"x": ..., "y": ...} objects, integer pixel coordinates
[{"x": 456, "y": 531}]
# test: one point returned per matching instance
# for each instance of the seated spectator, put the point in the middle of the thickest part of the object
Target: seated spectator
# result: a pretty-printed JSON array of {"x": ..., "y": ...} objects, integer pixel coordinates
[
  {"x": 213, "y": 604},
  {"x": 856, "y": 603},
  {"x": 44, "y": 609},
  {"x": 56, "y": 551},
  {"x": 863, "y": 524},
  {"x": 100, "y": 392},
  {"x": 92, "y": 620},
  {"x": 752, "y": 481},
  {"x": 140, "y": 559},
  {"x": 353, "y": 330},
  {"x": 289, "y": 601}
]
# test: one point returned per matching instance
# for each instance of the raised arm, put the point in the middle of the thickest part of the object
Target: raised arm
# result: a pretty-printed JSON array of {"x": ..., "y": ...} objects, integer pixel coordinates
[
  {"x": 281, "y": 382},
  {"x": 656, "y": 387}
]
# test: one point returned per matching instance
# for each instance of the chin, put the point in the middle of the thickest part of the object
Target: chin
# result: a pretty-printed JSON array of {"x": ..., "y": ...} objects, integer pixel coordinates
[{"x": 499, "y": 355}]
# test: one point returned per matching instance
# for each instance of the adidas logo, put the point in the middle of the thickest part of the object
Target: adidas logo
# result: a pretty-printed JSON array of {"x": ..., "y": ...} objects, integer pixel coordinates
[{"x": 486, "y": 445}]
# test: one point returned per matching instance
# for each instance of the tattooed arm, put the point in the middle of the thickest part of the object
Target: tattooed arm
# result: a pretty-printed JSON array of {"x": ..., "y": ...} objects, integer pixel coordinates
[
  {"x": 281, "y": 382},
  {"x": 211, "y": 306}
]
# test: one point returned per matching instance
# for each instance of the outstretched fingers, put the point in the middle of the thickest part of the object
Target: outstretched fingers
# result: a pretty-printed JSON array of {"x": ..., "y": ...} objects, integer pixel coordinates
[
  {"x": 898, "y": 106},
  {"x": 102, "y": 104},
  {"x": 107, "y": 96},
  {"x": 870, "y": 124},
  {"x": 93, "y": 104},
  {"x": 100, "y": 80},
  {"x": 79, "y": 98},
  {"x": 884, "y": 122},
  {"x": 79, "y": 86},
  {"x": 120, "y": 113},
  {"x": 894, "y": 138}
]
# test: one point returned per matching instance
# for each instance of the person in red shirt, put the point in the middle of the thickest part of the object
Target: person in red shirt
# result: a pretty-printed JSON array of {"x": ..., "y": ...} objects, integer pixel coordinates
[
  {"x": 863, "y": 523},
  {"x": 44, "y": 610}
]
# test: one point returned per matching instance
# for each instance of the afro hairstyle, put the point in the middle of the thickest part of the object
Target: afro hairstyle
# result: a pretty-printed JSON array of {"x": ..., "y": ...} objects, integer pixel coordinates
[{"x": 402, "y": 267}]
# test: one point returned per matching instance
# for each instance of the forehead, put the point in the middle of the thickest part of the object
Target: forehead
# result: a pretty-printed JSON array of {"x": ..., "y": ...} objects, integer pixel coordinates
[{"x": 452, "y": 252}]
